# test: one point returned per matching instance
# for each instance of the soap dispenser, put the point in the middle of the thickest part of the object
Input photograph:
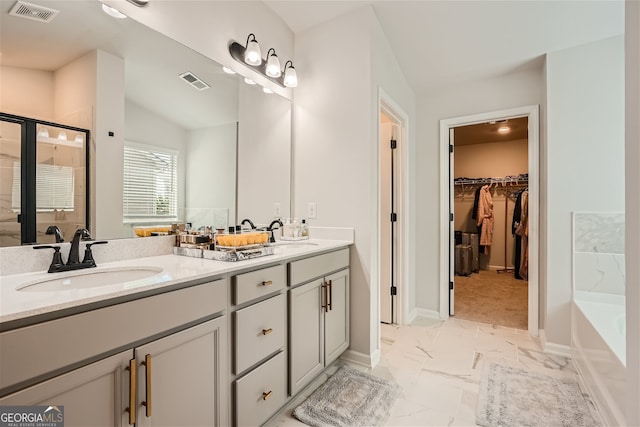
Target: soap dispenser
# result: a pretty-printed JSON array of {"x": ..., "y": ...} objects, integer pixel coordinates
[{"x": 304, "y": 229}]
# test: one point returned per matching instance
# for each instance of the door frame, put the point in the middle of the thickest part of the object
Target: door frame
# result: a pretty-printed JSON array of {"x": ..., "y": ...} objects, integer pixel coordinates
[
  {"x": 532, "y": 113},
  {"x": 393, "y": 109}
]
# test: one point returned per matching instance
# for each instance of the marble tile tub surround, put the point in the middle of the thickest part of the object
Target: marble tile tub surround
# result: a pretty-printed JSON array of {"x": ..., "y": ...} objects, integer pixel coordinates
[
  {"x": 598, "y": 232},
  {"x": 599, "y": 263},
  {"x": 25, "y": 259},
  {"x": 439, "y": 365}
]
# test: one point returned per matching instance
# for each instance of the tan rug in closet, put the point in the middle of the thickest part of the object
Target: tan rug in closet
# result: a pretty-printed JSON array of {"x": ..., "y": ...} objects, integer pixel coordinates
[{"x": 492, "y": 297}]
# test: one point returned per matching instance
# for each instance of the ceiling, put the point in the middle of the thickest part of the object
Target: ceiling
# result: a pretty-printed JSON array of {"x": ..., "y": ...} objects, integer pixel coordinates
[
  {"x": 461, "y": 41},
  {"x": 488, "y": 132}
]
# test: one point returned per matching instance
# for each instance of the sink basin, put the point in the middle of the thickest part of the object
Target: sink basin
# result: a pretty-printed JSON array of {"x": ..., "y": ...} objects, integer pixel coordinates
[
  {"x": 91, "y": 278},
  {"x": 291, "y": 245}
]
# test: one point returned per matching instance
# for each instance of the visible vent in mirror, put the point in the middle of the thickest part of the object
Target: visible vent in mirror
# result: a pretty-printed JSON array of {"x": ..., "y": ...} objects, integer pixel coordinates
[
  {"x": 194, "y": 81},
  {"x": 34, "y": 12}
]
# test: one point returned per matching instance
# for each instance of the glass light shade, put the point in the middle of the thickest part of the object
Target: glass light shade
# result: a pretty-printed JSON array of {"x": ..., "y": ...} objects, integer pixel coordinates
[
  {"x": 249, "y": 81},
  {"x": 252, "y": 54},
  {"x": 267, "y": 90},
  {"x": 273, "y": 66},
  {"x": 43, "y": 133},
  {"x": 62, "y": 135},
  {"x": 78, "y": 139},
  {"x": 228, "y": 70},
  {"x": 290, "y": 77}
]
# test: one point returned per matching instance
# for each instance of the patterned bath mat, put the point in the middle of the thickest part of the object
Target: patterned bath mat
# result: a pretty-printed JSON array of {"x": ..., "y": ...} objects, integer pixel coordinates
[
  {"x": 512, "y": 396},
  {"x": 349, "y": 398}
]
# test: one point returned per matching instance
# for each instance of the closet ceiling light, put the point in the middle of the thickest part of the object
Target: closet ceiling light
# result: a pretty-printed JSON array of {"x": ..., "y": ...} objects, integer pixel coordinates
[
  {"x": 250, "y": 57},
  {"x": 504, "y": 129}
]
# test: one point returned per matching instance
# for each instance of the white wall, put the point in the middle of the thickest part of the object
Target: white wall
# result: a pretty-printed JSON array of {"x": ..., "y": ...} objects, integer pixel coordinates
[
  {"x": 514, "y": 90},
  {"x": 336, "y": 142},
  {"x": 211, "y": 169},
  {"x": 208, "y": 27},
  {"x": 74, "y": 91},
  {"x": 26, "y": 92},
  {"x": 264, "y": 155},
  {"x": 109, "y": 117},
  {"x": 632, "y": 217},
  {"x": 585, "y": 158}
]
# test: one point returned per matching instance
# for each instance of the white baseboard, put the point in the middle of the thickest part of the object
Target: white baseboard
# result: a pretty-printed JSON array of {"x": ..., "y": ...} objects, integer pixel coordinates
[
  {"x": 370, "y": 361},
  {"x": 553, "y": 348},
  {"x": 424, "y": 312}
]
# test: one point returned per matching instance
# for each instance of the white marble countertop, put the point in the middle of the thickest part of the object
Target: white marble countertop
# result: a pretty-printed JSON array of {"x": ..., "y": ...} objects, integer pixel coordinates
[{"x": 18, "y": 304}]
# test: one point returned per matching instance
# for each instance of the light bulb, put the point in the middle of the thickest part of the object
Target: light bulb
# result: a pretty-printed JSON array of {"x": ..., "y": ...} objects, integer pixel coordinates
[
  {"x": 273, "y": 65},
  {"x": 62, "y": 135},
  {"x": 252, "y": 54},
  {"x": 43, "y": 133}
]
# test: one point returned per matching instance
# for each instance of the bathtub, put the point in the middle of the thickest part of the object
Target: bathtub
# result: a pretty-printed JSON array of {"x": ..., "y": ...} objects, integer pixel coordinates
[{"x": 598, "y": 347}]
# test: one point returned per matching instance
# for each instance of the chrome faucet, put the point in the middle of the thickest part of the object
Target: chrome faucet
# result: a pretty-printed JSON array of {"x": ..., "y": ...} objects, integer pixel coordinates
[{"x": 74, "y": 252}]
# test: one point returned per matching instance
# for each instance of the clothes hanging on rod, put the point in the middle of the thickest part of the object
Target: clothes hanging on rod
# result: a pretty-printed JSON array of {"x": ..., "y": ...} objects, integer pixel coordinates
[
  {"x": 520, "y": 231},
  {"x": 485, "y": 219}
]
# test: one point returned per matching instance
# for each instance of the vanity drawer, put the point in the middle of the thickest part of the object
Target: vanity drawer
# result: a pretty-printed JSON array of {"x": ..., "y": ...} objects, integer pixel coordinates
[
  {"x": 311, "y": 268},
  {"x": 258, "y": 283},
  {"x": 259, "y": 331},
  {"x": 260, "y": 393}
]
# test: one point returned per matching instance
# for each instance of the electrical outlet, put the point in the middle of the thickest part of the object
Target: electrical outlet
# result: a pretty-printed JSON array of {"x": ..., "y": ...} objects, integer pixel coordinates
[
  {"x": 312, "y": 210},
  {"x": 277, "y": 212}
]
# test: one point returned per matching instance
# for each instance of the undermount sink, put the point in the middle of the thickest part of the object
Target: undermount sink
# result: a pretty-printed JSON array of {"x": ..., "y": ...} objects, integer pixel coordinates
[
  {"x": 293, "y": 244},
  {"x": 86, "y": 279}
]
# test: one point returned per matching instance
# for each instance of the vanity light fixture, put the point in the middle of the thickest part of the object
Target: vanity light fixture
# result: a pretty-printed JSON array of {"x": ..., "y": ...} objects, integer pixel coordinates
[
  {"x": 267, "y": 90},
  {"x": 62, "y": 135},
  {"x": 139, "y": 3},
  {"x": 79, "y": 139},
  {"x": 249, "y": 81},
  {"x": 43, "y": 133},
  {"x": 273, "y": 64},
  {"x": 290, "y": 76},
  {"x": 114, "y": 13},
  {"x": 228, "y": 70},
  {"x": 250, "y": 56}
]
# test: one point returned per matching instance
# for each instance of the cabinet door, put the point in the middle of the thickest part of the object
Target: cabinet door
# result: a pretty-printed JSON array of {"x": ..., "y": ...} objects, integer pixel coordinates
[
  {"x": 94, "y": 395},
  {"x": 306, "y": 346},
  {"x": 185, "y": 374},
  {"x": 336, "y": 319}
]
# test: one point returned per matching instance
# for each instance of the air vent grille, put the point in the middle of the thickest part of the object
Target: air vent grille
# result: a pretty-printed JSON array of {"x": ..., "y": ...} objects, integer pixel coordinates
[
  {"x": 194, "y": 80},
  {"x": 34, "y": 12}
]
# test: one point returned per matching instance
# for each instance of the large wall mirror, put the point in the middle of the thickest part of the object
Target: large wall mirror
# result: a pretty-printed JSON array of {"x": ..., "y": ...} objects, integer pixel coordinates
[{"x": 173, "y": 137}]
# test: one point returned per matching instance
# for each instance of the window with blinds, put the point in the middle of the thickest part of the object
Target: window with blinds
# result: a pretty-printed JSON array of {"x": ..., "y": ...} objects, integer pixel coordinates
[
  {"x": 54, "y": 188},
  {"x": 150, "y": 183}
]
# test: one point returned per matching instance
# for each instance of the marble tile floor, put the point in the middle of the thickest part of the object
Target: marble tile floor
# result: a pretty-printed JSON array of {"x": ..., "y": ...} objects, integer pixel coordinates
[{"x": 439, "y": 366}]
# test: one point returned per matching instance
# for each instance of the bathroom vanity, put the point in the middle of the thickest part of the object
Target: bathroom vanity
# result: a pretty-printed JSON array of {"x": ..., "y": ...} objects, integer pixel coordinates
[{"x": 201, "y": 343}]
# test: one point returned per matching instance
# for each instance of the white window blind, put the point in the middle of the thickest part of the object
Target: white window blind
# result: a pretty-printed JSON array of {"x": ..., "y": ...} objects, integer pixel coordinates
[
  {"x": 54, "y": 187},
  {"x": 150, "y": 183}
]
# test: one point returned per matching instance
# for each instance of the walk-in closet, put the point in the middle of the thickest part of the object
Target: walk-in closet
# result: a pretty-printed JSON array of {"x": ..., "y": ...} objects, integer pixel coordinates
[{"x": 490, "y": 205}]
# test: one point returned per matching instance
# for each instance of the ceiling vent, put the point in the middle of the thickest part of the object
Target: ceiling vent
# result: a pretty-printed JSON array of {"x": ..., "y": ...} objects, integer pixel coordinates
[
  {"x": 34, "y": 12},
  {"x": 194, "y": 81}
]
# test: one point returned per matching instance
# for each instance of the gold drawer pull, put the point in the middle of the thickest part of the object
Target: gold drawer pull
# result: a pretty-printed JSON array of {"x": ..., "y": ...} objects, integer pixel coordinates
[
  {"x": 147, "y": 402},
  {"x": 132, "y": 391},
  {"x": 267, "y": 332},
  {"x": 267, "y": 283},
  {"x": 266, "y": 395}
]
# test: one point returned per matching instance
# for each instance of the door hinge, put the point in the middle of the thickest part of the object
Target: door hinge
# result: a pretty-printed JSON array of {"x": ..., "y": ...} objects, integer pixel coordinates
[
  {"x": 394, "y": 144},
  {"x": 394, "y": 290},
  {"x": 394, "y": 217},
  {"x": 450, "y": 217},
  {"x": 450, "y": 286},
  {"x": 451, "y": 148}
]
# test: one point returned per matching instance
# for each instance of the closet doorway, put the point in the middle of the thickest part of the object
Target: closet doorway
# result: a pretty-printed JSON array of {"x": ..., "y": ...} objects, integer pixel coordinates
[
  {"x": 501, "y": 169},
  {"x": 490, "y": 203}
]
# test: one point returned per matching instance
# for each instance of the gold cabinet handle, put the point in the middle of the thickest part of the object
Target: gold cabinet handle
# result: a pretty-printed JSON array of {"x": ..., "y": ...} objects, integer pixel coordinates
[
  {"x": 330, "y": 294},
  {"x": 267, "y": 283},
  {"x": 132, "y": 391},
  {"x": 147, "y": 393},
  {"x": 266, "y": 395},
  {"x": 267, "y": 331}
]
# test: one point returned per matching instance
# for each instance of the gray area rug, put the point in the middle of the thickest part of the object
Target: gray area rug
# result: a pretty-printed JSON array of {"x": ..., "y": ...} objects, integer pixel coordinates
[
  {"x": 349, "y": 398},
  {"x": 512, "y": 396}
]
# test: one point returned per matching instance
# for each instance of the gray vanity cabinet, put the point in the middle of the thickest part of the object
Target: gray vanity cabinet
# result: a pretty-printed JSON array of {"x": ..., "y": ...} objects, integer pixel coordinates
[
  {"x": 92, "y": 395},
  {"x": 318, "y": 315}
]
